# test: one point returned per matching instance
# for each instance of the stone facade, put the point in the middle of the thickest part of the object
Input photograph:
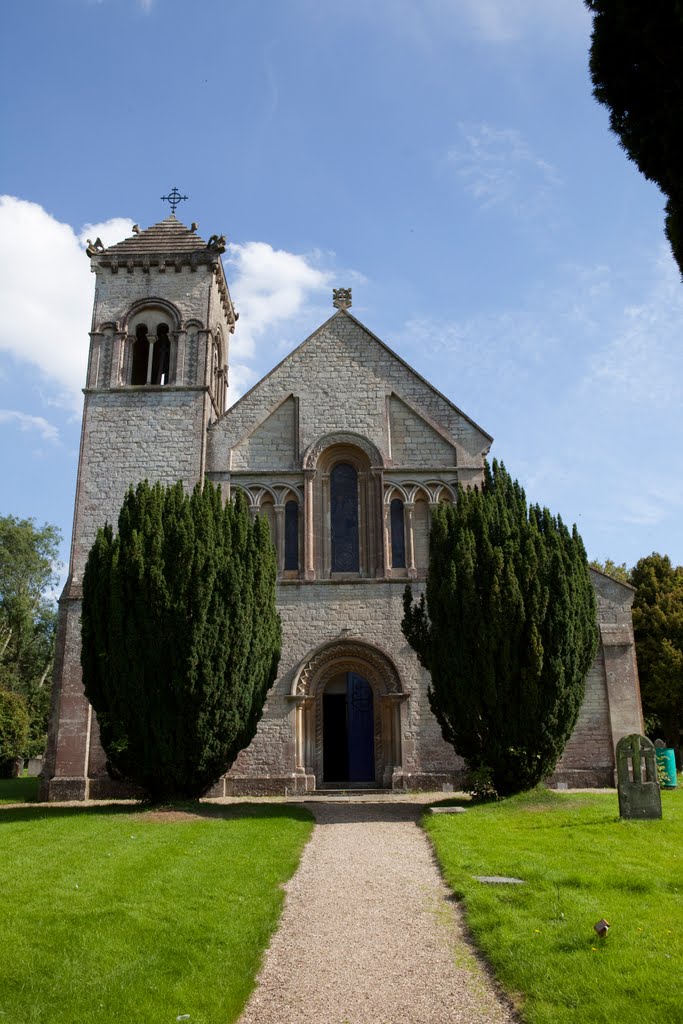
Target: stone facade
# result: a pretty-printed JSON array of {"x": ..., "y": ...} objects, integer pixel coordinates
[{"x": 345, "y": 450}]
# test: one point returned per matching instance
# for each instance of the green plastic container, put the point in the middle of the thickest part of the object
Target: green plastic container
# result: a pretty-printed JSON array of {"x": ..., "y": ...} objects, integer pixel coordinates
[{"x": 666, "y": 759}]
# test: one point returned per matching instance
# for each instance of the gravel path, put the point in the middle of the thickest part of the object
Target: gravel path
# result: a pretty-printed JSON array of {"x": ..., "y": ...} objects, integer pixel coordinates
[{"x": 369, "y": 934}]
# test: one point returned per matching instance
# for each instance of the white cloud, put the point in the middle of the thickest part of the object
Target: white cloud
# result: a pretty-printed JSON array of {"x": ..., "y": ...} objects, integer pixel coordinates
[
  {"x": 270, "y": 287},
  {"x": 497, "y": 168},
  {"x": 597, "y": 338},
  {"x": 108, "y": 231},
  {"x": 641, "y": 360},
  {"x": 25, "y": 423},
  {"x": 581, "y": 384},
  {"x": 46, "y": 293}
]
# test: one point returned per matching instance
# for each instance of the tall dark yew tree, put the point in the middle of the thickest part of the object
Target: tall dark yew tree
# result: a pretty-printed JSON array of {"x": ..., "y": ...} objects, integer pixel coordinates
[
  {"x": 507, "y": 631},
  {"x": 635, "y": 64},
  {"x": 181, "y": 637}
]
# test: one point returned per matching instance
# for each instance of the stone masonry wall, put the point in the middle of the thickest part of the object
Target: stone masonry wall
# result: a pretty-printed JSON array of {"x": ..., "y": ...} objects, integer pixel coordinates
[
  {"x": 371, "y": 611},
  {"x": 413, "y": 441},
  {"x": 130, "y": 436},
  {"x": 317, "y": 612},
  {"x": 590, "y": 746},
  {"x": 311, "y": 615},
  {"x": 342, "y": 376},
  {"x": 611, "y": 707},
  {"x": 272, "y": 445},
  {"x": 192, "y": 292}
]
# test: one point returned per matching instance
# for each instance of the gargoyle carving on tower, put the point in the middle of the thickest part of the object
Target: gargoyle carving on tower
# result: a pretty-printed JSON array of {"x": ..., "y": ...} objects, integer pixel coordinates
[
  {"x": 94, "y": 248},
  {"x": 217, "y": 242}
]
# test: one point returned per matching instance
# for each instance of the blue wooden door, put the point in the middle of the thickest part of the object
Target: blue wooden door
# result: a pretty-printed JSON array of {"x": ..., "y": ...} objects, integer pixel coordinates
[{"x": 361, "y": 729}]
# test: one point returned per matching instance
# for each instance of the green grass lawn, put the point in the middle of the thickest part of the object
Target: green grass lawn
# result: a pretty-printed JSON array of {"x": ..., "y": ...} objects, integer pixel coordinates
[
  {"x": 580, "y": 863},
  {"x": 18, "y": 791},
  {"x": 118, "y": 916}
]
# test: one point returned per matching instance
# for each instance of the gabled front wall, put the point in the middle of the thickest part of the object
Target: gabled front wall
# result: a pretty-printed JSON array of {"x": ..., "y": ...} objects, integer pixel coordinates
[{"x": 343, "y": 377}]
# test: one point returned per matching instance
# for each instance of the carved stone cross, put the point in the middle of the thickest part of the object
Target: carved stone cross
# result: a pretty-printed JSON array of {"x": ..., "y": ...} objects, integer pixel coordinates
[{"x": 341, "y": 298}]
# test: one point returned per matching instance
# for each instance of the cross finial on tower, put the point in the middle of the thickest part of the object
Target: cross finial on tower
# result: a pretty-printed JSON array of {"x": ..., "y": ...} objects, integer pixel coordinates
[
  {"x": 341, "y": 298},
  {"x": 174, "y": 197}
]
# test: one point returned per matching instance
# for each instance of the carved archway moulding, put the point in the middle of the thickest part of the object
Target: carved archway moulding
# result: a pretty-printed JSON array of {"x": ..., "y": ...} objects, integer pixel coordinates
[
  {"x": 346, "y": 654},
  {"x": 311, "y": 456},
  {"x": 153, "y": 302}
]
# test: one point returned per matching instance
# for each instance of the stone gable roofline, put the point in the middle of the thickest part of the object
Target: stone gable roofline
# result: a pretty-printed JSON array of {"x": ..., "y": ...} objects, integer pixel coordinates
[
  {"x": 345, "y": 312},
  {"x": 612, "y": 579}
]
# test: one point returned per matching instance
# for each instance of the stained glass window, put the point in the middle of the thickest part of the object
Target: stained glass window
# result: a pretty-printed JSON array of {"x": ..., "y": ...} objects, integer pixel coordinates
[
  {"x": 291, "y": 535},
  {"x": 398, "y": 537},
  {"x": 344, "y": 518}
]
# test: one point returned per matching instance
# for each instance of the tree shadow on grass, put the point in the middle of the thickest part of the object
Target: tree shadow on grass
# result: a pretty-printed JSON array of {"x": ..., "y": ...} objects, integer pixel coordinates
[
  {"x": 21, "y": 790},
  {"x": 171, "y": 813}
]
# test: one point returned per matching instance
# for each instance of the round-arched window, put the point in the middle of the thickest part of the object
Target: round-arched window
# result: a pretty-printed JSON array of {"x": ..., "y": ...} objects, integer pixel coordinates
[
  {"x": 344, "y": 518},
  {"x": 398, "y": 535}
]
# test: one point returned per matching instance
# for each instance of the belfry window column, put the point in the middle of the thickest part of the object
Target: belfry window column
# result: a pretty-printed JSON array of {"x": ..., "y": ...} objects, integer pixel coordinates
[
  {"x": 178, "y": 357},
  {"x": 96, "y": 345},
  {"x": 120, "y": 371}
]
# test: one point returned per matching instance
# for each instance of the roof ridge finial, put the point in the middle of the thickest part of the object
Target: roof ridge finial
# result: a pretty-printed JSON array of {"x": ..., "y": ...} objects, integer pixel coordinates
[{"x": 341, "y": 298}]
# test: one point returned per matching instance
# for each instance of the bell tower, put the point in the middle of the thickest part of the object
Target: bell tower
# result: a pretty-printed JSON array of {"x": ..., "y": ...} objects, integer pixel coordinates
[{"x": 157, "y": 378}]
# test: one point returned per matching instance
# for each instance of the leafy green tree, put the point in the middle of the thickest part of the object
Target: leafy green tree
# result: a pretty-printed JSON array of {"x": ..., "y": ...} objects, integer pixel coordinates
[
  {"x": 617, "y": 570},
  {"x": 507, "y": 631},
  {"x": 28, "y": 568},
  {"x": 635, "y": 65},
  {"x": 658, "y": 629},
  {"x": 181, "y": 637},
  {"x": 14, "y": 726}
]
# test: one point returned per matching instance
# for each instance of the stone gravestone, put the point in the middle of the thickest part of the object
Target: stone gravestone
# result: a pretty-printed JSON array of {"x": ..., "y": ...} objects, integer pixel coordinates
[{"x": 637, "y": 785}]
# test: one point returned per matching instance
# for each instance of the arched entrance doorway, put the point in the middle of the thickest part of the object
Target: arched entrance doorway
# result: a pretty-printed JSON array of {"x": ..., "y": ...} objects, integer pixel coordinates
[
  {"x": 348, "y": 697},
  {"x": 348, "y": 729}
]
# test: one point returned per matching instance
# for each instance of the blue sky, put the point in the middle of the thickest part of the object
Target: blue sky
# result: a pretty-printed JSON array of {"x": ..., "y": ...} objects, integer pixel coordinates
[{"x": 445, "y": 158}]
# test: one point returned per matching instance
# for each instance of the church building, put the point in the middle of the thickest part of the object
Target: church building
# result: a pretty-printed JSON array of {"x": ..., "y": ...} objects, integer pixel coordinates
[{"x": 345, "y": 449}]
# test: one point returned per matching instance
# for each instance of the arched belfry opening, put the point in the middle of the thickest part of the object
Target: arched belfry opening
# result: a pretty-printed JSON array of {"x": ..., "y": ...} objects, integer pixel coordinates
[
  {"x": 150, "y": 356},
  {"x": 348, "y": 696}
]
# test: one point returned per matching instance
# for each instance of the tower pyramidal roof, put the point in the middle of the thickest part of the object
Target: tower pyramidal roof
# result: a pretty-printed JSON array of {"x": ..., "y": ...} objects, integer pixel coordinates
[{"x": 169, "y": 235}]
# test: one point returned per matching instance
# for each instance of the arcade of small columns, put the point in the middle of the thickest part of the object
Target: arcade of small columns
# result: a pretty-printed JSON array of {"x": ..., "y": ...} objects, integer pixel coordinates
[{"x": 394, "y": 514}]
